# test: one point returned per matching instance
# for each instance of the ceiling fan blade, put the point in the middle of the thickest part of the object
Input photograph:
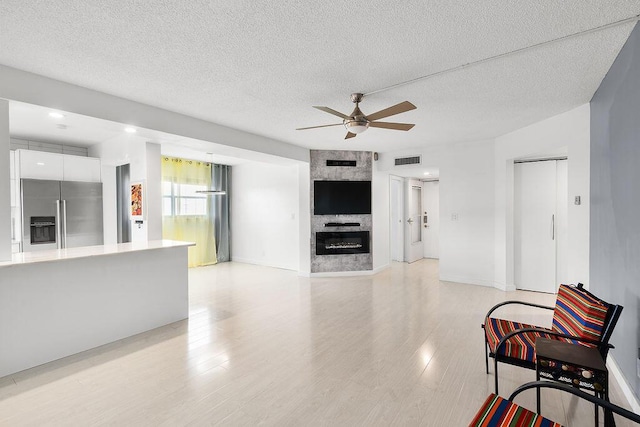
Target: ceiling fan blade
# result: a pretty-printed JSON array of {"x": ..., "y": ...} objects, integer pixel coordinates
[
  {"x": 350, "y": 135},
  {"x": 389, "y": 125},
  {"x": 322, "y": 126},
  {"x": 332, "y": 111},
  {"x": 396, "y": 109}
]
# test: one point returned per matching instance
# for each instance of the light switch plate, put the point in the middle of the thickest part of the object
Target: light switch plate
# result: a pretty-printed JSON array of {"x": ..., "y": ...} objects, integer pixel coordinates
[{"x": 577, "y": 200}]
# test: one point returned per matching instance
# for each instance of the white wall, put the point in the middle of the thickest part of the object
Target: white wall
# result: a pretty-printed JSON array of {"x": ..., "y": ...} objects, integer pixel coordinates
[
  {"x": 476, "y": 184},
  {"x": 304, "y": 219},
  {"x": 466, "y": 192},
  {"x": 153, "y": 191},
  {"x": 265, "y": 209},
  {"x": 144, "y": 160},
  {"x": 381, "y": 250},
  {"x": 432, "y": 207},
  {"x": 567, "y": 134},
  {"x": 396, "y": 220}
]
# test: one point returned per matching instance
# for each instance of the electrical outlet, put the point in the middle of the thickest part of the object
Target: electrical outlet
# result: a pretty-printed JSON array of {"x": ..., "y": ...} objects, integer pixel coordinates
[{"x": 454, "y": 217}]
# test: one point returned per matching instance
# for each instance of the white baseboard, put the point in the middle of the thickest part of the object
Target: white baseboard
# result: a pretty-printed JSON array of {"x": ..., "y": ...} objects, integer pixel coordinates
[
  {"x": 504, "y": 287},
  {"x": 381, "y": 268},
  {"x": 260, "y": 262},
  {"x": 614, "y": 369},
  {"x": 468, "y": 281}
]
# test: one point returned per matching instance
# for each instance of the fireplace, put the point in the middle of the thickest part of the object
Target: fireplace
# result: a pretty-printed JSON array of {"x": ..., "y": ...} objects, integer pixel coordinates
[{"x": 342, "y": 242}]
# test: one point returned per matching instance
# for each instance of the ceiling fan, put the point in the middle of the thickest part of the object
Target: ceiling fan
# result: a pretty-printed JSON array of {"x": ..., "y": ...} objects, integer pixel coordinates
[{"x": 357, "y": 122}]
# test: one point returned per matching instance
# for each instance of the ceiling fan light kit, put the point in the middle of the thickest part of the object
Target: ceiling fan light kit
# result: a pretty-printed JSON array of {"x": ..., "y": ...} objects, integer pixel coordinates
[{"x": 357, "y": 122}]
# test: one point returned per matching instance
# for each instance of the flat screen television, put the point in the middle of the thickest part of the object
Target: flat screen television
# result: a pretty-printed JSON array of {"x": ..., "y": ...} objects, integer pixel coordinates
[{"x": 341, "y": 197}]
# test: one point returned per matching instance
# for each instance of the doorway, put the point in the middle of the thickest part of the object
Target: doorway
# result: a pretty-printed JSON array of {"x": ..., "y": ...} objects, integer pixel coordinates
[
  {"x": 413, "y": 243},
  {"x": 540, "y": 224}
]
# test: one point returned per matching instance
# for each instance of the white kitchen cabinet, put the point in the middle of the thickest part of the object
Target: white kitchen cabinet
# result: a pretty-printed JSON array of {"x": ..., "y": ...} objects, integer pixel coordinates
[
  {"x": 78, "y": 168},
  {"x": 58, "y": 167},
  {"x": 40, "y": 165}
]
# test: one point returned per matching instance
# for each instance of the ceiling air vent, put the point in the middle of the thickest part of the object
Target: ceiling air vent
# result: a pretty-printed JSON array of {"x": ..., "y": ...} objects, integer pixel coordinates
[{"x": 415, "y": 160}]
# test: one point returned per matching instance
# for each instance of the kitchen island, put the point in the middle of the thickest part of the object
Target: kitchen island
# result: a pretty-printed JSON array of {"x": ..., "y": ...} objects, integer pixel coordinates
[{"x": 56, "y": 303}]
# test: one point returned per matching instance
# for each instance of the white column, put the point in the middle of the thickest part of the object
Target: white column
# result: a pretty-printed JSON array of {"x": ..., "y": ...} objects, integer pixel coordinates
[
  {"x": 304, "y": 219},
  {"x": 153, "y": 193},
  {"x": 5, "y": 180}
]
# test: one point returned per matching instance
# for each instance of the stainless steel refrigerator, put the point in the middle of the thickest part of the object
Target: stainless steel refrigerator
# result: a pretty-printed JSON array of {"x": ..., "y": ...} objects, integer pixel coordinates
[{"x": 60, "y": 214}]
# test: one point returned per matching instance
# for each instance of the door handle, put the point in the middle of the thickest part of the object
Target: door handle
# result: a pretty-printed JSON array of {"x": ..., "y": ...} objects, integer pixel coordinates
[
  {"x": 553, "y": 227},
  {"x": 410, "y": 220},
  {"x": 64, "y": 222},
  {"x": 58, "y": 225}
]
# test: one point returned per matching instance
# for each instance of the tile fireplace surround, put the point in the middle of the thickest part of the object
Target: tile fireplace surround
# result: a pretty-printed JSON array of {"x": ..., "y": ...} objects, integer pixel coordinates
[{"x": 341, "y": 260}]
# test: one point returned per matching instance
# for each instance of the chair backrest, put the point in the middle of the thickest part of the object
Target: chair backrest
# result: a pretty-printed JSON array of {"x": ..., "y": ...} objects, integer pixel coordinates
[
  {"x": 580, "y": 313},
  {"x": 613, "y": 315}
]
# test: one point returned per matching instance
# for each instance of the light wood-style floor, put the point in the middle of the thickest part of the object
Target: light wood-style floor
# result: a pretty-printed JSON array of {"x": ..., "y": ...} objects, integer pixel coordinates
[{"x": 263, "y": 346}]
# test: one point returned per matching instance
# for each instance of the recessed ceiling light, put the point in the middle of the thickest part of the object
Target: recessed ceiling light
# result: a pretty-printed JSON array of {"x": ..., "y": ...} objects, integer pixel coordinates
[
  {"x": 40, "y": 164},
  {"x": 56, "y": 115},
  {"x": 427, "y": 173},
  {"x": 130, "y": 129}
]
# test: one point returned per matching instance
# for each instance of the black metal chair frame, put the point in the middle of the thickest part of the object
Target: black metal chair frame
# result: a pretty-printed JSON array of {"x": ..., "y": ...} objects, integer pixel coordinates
[
  {"x": 613, "y": 314},
  {"x": 606, "y": 405}
]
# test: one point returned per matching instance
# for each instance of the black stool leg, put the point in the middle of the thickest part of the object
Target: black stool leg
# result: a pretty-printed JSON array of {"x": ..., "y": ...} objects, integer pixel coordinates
[{"x": 486, "y": 356}]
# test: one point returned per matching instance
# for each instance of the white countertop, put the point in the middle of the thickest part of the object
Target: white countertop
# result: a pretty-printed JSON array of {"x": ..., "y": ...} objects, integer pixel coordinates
[{"x": 89, "y": 251}]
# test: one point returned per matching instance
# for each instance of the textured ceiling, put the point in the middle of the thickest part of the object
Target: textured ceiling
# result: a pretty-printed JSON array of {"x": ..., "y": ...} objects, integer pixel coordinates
[{"x": 260, "y": 66}]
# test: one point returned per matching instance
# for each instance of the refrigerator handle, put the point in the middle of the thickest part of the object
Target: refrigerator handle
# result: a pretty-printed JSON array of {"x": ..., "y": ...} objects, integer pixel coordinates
[
  {"x": 58, "y": 226},
  {"x": 64, "y": 223}
]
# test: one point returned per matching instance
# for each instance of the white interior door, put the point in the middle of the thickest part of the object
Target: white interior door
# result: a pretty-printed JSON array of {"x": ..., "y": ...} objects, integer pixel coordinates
[
  {"x": 431, "y": 219},
  {"x": 535, "y": 226},
  {"x": 562, "y": 234},
  {"x": 413, "y": 246},
  {"x": 396, "y": 207}
]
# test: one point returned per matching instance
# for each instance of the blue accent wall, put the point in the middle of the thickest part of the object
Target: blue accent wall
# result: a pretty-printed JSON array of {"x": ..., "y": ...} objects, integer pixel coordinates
[{"x": 615, "y": 200}]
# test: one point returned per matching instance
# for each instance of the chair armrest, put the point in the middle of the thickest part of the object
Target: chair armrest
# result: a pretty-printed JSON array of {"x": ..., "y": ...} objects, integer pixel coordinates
[
  {"x": 529, "y": 304},
  {"x": 586, "y": 396},
  {"x": 549, "y": 332}
]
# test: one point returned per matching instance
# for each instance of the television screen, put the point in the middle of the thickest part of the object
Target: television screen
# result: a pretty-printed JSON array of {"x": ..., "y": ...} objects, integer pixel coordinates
[{"x": 341, "y": 197}]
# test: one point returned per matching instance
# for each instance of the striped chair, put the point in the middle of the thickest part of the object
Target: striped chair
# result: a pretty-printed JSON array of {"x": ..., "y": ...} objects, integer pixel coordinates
[
  {"x": 499, "y": 412},
  {"x": 579, "y": 317}
]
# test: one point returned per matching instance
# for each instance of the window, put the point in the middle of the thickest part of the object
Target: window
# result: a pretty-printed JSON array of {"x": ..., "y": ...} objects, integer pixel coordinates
[{"x": 183, "y": 199}]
